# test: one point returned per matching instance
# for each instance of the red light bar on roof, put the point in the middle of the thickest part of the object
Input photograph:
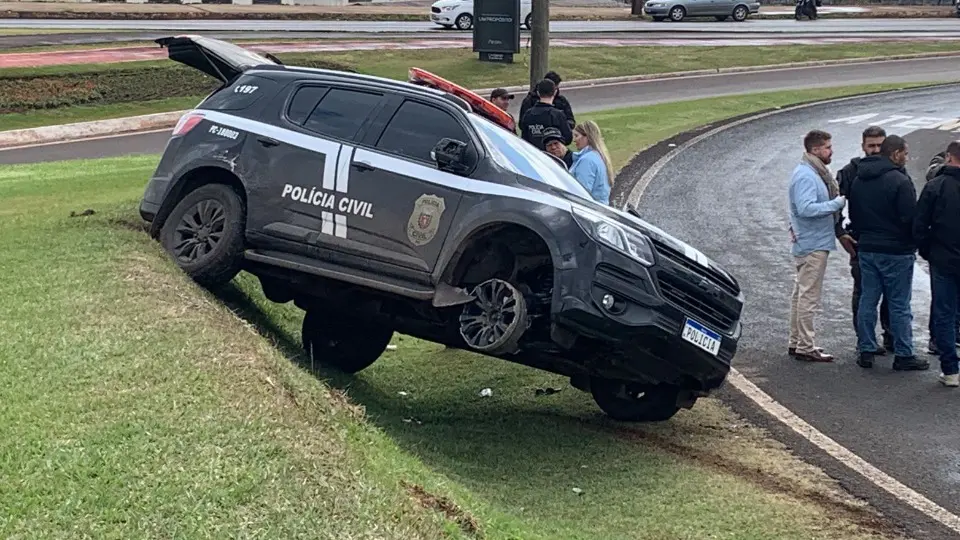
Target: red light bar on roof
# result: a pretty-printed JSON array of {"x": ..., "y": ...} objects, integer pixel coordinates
[{"x": 480, "y": 105}]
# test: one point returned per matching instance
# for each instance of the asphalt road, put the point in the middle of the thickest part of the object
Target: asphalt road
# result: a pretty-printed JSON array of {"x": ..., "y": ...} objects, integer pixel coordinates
[
  {"x": 751, "y": 26},
  {"x": 902, "y": 423}
]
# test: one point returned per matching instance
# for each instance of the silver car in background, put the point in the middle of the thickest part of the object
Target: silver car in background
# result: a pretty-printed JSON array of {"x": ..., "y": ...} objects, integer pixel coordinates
[{"x": 677, "y": 10}]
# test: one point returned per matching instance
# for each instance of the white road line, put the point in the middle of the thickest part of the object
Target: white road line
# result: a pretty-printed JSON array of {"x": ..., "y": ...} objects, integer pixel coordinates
[{"x": 769, "y": 405}]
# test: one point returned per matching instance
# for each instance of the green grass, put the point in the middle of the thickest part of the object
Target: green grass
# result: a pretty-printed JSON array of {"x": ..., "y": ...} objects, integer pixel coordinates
[
  {"x": 461, "y": 65},
  {"x": 68, "y": 115},
  {"x": 135, "y": 404}
]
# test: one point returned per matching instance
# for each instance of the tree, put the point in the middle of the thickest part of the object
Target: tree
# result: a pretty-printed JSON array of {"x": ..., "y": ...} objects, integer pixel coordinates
[{"x": 539, "y": 40}]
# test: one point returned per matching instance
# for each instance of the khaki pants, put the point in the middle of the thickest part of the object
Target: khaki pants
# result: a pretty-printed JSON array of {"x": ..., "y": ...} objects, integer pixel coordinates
[{"x": 805, "y": 301}]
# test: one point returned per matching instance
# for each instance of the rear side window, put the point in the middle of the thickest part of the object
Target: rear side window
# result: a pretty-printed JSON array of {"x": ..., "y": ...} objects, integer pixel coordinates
[
  {"x": 339, "y": 113},
  {"x": 243, "y": 93},
  {"x": 417, "y": 128},
  {"x": 303, "y": 103}
]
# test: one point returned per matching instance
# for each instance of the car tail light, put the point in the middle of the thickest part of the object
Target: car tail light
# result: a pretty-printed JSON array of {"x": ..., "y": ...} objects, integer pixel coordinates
[{"x": 186, "y": 123}]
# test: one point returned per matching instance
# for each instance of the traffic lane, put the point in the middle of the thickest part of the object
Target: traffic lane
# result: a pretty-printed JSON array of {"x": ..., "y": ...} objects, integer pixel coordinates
[
  {"x": 607, "y": 96},
  {"x": 833, "y": 26},
  {"x": 726, "y": 195},
  {"x": 121, "y": 145},
  {"x": 592, "y": 98},
  {"x": 126, "y": 36}
]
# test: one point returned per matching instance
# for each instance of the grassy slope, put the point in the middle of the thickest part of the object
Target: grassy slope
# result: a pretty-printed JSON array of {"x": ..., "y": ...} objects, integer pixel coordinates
[
  {"x": 137, "y": 404},
  {"x": 460, "y": 65}
]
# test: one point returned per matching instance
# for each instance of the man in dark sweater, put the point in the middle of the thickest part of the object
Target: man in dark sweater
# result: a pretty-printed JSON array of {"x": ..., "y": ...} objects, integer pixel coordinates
[
  {"x": 882, "y": 207},
  {"x": 544, "y": 115},
  {"x": 934, "y": 168},
  {"x": 870, "y": 142},
  {"x": 936, "y": 230},
  {"x": 559, "y": 101}
]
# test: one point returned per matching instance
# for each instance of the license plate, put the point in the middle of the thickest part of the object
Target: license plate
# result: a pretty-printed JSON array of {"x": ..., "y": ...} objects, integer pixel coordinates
[{"x": 701, "y": 336}]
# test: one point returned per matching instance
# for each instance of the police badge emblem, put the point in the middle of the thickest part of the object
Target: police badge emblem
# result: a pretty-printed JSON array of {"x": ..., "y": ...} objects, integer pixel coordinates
[{"x": 425, "y": 219}]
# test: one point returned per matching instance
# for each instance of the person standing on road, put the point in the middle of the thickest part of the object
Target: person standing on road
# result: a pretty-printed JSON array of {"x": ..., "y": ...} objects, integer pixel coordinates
[
  {"x": 936, "y": 230},
  {"x": 591, "y": 163},
  {"x": 544, "y": 115},
  {"x": 559, "y": 101},
  {"x": 882, "y": 206},
  {"x": 934, "y": 168},
  {"x": 814, "y": 202},
  {"x": 870, "y": 142}
]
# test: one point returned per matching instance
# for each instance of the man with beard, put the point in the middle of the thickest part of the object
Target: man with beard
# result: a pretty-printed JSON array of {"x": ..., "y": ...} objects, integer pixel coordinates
[
  {"x": 814, "y": 202},
  {"x": 883, "y": 203},
  {"x": 870, "y": 142}
]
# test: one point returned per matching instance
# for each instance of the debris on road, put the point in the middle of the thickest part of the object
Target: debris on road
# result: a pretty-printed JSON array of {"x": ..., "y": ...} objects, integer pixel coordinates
[{"x": 486, "y": 392}]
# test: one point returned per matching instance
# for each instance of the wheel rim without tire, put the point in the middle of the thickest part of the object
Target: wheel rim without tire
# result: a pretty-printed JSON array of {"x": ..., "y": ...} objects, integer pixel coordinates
[
  {"x": 199, "y": 231},
  {"x": 486, "y": 322}
]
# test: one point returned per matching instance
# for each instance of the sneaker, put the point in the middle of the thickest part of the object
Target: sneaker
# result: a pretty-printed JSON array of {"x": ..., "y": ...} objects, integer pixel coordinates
[
  {"x": 910, "y": 363},
  {"x": 932, "y": 348},
  {"x": 950, "y": 380},
  {"x": 865, "y": 360}
]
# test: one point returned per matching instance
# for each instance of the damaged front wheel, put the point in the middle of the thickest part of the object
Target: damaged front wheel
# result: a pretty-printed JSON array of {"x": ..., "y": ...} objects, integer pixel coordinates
[
  {"x": 495, "y": 320},
  {"x": 621, "y": 401}
]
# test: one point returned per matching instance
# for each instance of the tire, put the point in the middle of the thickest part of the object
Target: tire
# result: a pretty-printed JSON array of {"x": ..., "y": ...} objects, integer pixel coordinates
[
  {"x": 221, "y": 215},
  {"x": 657, "y": 404},
  {"x": 464, "y": 21},
  {"x": 345, "y": 343},
  {"x": 658, "y": 19},
  {"x": 740, "y": 13},
  {"x": 528, "y": 21},
  {"x": 721, "y": 18},
  {"x": 677, "y": 13},
  {"x": 494, "y": 322}
]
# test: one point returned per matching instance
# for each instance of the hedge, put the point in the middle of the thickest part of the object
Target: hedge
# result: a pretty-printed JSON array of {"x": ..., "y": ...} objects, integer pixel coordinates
[{"x": 118, "y": 85}]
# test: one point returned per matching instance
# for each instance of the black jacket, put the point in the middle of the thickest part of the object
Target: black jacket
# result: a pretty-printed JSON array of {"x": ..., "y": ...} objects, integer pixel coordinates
[
  {"x": 540, "y": 117},
  {"x": 845, "y": 177},
  {"x": 936, "y": 228},
  {"x": 882, "y": 203},
  {"x": 559, "y": 101}
]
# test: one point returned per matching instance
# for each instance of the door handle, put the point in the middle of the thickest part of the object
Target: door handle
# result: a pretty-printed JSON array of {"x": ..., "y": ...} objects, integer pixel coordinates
[
  {"x": 363, "y": 165},
  {"x": 267, "y": 141}
]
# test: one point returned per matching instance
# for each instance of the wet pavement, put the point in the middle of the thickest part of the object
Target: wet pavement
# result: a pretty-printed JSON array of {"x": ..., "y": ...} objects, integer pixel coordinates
[{"x": 726, "y": 195}]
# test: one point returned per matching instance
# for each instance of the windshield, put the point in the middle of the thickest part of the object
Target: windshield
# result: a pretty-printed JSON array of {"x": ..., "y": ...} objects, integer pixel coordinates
[{"x": 513, "y": 153}]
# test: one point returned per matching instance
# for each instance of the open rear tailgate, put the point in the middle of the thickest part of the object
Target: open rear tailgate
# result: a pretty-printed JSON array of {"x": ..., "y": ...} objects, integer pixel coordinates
[{"x": 219, "y": 59}]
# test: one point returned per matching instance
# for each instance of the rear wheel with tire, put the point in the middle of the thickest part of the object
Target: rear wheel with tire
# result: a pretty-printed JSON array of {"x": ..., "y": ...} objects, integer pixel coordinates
[
  {"x": 740, "y": 13},
  {"x": 622, "y": 402},
  {"x": 205, "y": 234},
  {"x": 528, "y": 21},
  {"x": 721, "y": 18},
  {"x": 658, "y": 19},
  {"x": 464, "y": 21},
  {"x": 345, "y": 343}
]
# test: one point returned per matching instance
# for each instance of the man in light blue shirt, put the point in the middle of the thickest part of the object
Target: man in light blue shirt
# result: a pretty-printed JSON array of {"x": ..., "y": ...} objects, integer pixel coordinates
[{"x": 815, "y": 205}]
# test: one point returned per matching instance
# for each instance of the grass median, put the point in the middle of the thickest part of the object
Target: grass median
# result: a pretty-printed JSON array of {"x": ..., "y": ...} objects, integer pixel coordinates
[
  {"x": 42, "y": 96},
  {"x": 137, "y": 404}
]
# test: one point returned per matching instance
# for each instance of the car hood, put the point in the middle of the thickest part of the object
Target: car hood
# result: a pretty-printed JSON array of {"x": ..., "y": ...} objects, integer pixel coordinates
[
  {"x": 658, "y": 235},
  {"x": 447, "y": 3}
]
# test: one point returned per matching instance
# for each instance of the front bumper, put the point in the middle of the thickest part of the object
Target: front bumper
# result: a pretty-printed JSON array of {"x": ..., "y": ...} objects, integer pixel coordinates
[
  {"x": 445, "y": 18},
  {"x": 640, "y": 337}
]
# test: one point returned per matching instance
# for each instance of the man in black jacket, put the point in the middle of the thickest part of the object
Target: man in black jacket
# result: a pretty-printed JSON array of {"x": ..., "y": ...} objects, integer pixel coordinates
[
  {"x": 936, "y": 165},
  {"x": 936, "y": 230},
  {"x": 559, "y": 101},
  {"x": 870, "y": 142},
  {"x": 544, "y": 115},
  {"x": 882, "y": 206}
]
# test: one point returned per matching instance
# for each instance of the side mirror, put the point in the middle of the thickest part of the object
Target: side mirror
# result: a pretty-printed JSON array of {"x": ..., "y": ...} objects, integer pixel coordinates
[{"x": 451, "y": 156}]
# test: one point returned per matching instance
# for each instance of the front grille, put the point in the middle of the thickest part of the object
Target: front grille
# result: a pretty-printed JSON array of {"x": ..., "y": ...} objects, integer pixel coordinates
[
  {"x": 680, "y": 259},
  {"x": 672, "y": 290},
  {"x": 435, "y": 9}
]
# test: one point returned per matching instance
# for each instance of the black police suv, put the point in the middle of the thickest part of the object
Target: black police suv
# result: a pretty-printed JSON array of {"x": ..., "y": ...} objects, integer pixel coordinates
[{"x": 379, "y": 206}]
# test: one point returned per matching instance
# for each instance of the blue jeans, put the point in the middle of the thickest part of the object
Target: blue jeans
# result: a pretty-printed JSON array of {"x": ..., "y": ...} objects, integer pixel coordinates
[
  {"x": 945, "y": 287},
  {"x": 890, "y": 276}
]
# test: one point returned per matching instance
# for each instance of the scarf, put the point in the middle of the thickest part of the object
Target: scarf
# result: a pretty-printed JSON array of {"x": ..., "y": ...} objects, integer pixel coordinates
[{"x": 832, "y": 187}]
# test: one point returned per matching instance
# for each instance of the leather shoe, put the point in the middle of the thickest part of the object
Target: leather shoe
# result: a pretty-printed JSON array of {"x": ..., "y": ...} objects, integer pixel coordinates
[
  {"x": 816, "y": 356},
  {"x": 792, "y": 351}
]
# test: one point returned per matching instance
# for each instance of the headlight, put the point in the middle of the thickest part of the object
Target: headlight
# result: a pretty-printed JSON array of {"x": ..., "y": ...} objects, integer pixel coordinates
[
  {"x": 448, "y": 8},
  {"x": 631, "y": 243}
]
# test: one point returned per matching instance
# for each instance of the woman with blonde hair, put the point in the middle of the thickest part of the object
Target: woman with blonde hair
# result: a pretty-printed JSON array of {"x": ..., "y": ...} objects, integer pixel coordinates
[{"x": 591, "y": 163}]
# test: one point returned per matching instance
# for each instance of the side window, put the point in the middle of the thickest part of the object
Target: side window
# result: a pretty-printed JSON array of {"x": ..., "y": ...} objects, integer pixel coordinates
[
  {"x": 416, "y": 128},
  {"x": 303, "y": 103},
  {"x": 341, "y": 112}
]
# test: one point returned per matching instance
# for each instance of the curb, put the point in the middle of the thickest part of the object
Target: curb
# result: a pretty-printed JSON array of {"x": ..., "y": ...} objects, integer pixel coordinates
[{"x": 133, "y": 124}]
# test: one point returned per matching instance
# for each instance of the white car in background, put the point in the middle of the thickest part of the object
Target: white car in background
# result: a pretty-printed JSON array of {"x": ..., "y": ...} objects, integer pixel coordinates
[{"x": 459, "y": 13}]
